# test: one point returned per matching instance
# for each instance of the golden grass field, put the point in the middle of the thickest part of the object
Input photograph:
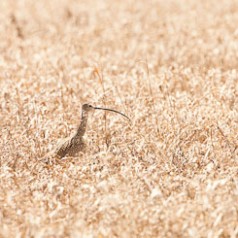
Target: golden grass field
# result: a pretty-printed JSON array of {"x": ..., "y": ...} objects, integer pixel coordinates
[{"x": 171, "y": 66}]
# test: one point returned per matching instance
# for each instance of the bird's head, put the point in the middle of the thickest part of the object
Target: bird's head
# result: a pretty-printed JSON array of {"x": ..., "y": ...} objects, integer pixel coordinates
[{"x": 87, "y": 107}]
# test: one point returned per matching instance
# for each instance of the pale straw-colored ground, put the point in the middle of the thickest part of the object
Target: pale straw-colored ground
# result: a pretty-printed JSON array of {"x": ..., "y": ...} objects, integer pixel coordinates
[{"x": 169, "y": 65}]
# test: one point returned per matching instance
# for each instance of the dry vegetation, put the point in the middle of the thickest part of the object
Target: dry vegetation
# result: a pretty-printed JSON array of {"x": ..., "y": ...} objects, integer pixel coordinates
[{"x": 169, "y": 65}]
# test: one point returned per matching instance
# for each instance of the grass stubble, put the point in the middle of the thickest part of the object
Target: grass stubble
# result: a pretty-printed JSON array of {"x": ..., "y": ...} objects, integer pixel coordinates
[{"x": 171, "y": 66}]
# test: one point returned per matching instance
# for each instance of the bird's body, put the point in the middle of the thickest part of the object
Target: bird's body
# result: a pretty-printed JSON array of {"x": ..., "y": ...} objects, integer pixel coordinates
[
  {"x": 70, "y": 146},
  {"x": 74, "y": 144}
]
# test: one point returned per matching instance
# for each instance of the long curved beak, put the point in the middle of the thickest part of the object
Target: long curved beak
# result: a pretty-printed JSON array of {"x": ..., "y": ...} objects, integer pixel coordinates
[{"x": 112, "y": 110}]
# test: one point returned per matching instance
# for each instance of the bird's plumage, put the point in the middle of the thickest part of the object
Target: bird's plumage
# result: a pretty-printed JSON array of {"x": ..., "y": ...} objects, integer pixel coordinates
[
  {"x": 70, "y": 146},
  {"x": 74, "y": 144}
]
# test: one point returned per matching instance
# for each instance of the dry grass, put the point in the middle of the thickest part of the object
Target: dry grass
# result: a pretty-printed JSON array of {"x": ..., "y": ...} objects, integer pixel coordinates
[{"x": 169, "y": 65}]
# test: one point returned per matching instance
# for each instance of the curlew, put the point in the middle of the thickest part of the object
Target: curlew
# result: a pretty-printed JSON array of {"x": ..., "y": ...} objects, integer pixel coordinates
[{"x": 72, "y": 145}]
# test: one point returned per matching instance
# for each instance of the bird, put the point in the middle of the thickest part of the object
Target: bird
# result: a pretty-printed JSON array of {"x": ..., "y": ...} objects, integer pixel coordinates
[{"x": 74, "y": 144}]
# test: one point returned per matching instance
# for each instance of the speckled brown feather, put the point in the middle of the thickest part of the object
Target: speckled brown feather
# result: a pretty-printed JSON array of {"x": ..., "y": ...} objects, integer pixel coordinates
[{"x": 70, "y": 146}]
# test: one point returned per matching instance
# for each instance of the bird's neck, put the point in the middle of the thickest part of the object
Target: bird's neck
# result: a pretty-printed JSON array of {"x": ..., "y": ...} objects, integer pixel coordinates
[{"x": 83, "y": 124}]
